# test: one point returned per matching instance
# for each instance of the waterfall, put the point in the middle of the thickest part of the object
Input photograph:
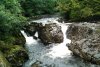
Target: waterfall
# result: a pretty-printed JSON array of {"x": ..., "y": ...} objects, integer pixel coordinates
[
  {"x": 24, "y": 34},
  {"x": 57, "y": 55},
  {"x": 61, "y": 50},
  {"x": 29, "y": 40}
]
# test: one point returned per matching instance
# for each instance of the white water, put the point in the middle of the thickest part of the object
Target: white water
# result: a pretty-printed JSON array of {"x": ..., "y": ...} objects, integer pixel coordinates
[{"x": 56, "y": 55}]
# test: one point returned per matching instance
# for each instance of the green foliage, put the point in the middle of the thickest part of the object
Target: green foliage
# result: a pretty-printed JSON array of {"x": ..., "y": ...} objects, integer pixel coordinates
[
  {"x": 78, "y": 9},
  {"x": 11, "y": 5},
  {"x": 3, "y": 61},
  {"x": 86, "y": 12},
  {"x": 38, "y": 7},
  {"x": 10, "y": 17}
]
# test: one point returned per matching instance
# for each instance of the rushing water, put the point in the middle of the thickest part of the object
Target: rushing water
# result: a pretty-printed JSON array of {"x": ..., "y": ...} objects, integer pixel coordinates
[{"x": 54, "y": 55}]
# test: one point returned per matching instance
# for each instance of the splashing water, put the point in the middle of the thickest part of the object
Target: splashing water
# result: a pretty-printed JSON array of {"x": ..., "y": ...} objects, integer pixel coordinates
[
  {"x": 57, "y": 55},
  {"x": 61, "y": 50}
]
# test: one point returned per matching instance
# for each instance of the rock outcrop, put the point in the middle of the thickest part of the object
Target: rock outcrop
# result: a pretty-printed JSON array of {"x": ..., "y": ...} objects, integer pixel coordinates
[
  {"x": 85, "y": 41},
  {"x": 31, "y": 28},
  {"x": 16, "y": 55},
  {"x": 51, "y": 33},
  {"x": 18, "y": 39},
  {"x": 48, "y": 33}
]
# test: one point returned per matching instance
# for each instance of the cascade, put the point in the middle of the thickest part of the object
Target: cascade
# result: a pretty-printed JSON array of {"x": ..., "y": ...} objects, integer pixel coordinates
[{"x": 56, "y": 55}]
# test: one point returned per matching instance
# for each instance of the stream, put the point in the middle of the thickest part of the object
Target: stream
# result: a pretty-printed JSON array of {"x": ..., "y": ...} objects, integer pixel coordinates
[{"x": 53, "y": 55}]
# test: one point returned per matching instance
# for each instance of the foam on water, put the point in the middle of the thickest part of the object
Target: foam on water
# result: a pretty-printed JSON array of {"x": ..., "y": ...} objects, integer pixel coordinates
[
  {"x": 46, "y": 20},
  {"x": 56, "y": 55},
  {"x": 61, "y": 50}
]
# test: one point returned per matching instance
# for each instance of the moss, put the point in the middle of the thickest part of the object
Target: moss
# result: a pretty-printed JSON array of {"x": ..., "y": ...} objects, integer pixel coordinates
[
  {"x": 15, "y": 54},
  {"x": 19, "y": 39},
  {"x": 13, "y": 50},
  {"x": 3, "y": 61},
  {"x": 98, "y": 31}
]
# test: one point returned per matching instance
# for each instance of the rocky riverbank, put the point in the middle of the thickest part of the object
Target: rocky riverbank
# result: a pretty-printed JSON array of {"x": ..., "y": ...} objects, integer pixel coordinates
[
  {"x": 12, "y": 51},
  {"x": 48, "y": 33},
  {"x": 85, "y": 41}
]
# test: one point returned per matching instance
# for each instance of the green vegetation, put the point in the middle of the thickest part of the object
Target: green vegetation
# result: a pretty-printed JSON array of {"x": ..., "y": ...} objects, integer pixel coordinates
[
  {"x": 3, "y": 61},
  {"x": 79, "y": 9},
  {"x": 11, "y": 18},
  {"x": 15, "y": 13},
  {"x": 38, "y": 7}
]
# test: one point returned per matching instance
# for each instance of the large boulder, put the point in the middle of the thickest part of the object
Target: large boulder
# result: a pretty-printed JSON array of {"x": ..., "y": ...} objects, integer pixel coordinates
[
  {"x": 48, "y": 33},
  {"x": 85, "y": 41}
]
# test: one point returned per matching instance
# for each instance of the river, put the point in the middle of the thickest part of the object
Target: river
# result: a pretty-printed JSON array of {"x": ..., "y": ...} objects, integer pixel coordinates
[{"x": 53, "y": 55}]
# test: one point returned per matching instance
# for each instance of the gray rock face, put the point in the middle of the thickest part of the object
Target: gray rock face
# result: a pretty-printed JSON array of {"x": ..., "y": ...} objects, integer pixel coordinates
[
  {"x": 48, "y": 33},
  {"x": 85, "y": 41}
]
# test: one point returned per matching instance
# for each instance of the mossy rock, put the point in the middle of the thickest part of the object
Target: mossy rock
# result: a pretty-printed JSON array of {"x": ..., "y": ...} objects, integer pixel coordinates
[
  {"x": 15, "y": 39},
  {"x": 15, "y": 54},
  {"x": 19, "y": 39},
  {"x": 3, "y": 61}
]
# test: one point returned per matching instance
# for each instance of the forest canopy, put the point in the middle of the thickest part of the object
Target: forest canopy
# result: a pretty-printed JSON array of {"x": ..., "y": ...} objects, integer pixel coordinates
[{"x": 79, "y": 9}]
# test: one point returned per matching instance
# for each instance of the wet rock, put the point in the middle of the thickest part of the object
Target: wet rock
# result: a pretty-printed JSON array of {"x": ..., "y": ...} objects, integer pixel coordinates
[
  {"x": 48, "y": 33},
  {"x": 31, "y": 28},
  {"x": 36, "y": 64},
  {"x": 3, "y": 61},
  {"x": 85, "y": 41},
  {"x": 19, "y": 39}
]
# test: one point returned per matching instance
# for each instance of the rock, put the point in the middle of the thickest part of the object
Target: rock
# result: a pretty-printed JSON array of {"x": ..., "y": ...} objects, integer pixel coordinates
[
  {"x": 35, "y": 65},
  {"x": 85, "y": 41},
  {"x": 19, "y": 39},
  {"x": 3, "y": 61},
  {"x": 48, "y": 33},
  {"x": 31, "y": 28},
  {"x": 15, "y": 54},
  {"x": 78, "y": 32}
]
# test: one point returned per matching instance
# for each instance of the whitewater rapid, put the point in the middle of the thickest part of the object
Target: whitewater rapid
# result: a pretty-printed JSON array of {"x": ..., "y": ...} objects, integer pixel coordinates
[{"x": 53, "y": 55}]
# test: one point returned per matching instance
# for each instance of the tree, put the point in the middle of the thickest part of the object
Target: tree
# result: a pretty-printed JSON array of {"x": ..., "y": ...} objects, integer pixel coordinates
[
  {"x": 38, "y": 7},
  {"x": 11, "y": 18},
  {"x": 79, "y": 9}
]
